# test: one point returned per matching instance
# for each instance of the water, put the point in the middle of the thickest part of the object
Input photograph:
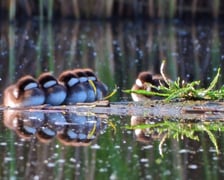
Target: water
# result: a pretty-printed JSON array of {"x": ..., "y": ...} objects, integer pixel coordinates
[{"x": 70, "y": 145}]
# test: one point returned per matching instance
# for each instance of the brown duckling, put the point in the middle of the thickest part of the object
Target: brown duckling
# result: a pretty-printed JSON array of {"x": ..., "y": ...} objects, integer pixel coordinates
[
  {"x": 142, "y": 83},
  {"x": 75, "y": 90},
  {"x": 101, "y": 88},
  {"x": 55, "y": 92},
  {"x": 26, "y": 92}
]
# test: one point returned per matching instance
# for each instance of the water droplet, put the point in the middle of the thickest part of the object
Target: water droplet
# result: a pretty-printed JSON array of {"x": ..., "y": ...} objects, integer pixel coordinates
[
  {"x": 192, "y": 166},
  {"x": 50, "y": 164},
  {"x": 95, "y": 146},
  {"x": 144, "y": 160}
]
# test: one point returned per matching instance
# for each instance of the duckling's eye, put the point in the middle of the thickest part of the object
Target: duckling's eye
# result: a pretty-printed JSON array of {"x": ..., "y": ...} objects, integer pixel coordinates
[
  {"x": 72, "y": 81},
  {"x": 49, "y": 84},
  {"x": 30, "y": 86}
]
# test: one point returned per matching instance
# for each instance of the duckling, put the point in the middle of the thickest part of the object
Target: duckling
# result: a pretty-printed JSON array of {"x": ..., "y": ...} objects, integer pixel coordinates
[
  {"x": 26, "y": 92},
  {"x": 90, "y": 90},
  {"x": 55, "y": 92},
  {"x": 141, "y": 84},
  {"x": 101, "y": 88},
  {"x": 75, "y": 90}
]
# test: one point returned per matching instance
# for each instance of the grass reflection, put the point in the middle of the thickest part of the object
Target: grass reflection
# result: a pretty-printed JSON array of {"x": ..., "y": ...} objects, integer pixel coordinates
[
  {"x": 12, "y": 59},
  {"x": 149, "y": 130},
  {"x": 51, "y": 57}
]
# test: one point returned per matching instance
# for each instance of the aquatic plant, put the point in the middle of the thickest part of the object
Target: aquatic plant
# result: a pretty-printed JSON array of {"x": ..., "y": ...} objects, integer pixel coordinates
[
  {"x": 181, "y": 90},
  {"x": 180, "y": 130}
]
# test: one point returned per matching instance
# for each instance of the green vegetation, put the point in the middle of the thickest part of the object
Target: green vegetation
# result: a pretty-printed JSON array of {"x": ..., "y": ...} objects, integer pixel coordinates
[
  {"x": 181, "y": 90},
  {"x": 180, "y": 130}
]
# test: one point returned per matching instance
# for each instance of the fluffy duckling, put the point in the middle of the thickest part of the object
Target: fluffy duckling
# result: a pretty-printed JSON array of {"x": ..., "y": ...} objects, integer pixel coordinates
[
  {"x": 101, "y": 88},
  {"x": 142, "y": 83},
  {"x": 75, "y": 90},
  {"x": 26, "y": 92},
  {"x": 89, "y": 88},
  {"x": 55, "y": 92}
]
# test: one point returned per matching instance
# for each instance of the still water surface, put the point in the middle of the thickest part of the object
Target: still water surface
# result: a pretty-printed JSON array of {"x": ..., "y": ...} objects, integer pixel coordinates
[{"x": 67, "y": 145}]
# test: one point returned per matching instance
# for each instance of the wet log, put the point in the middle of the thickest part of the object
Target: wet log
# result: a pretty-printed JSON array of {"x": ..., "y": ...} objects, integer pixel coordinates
[{"x": 176, "y": 110}]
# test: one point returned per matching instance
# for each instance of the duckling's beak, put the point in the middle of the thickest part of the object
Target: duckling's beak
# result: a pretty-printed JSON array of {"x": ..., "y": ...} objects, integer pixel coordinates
[{"x": 93, "y": 85}]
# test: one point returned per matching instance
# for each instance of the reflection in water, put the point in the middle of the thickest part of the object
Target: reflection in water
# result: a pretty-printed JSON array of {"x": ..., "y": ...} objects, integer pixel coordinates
[
  {"x": 74, "y": 147},
  {"x": 153, "y": 129},
  {"x": 146, "y": 135},
  {"x": 70, "y": 129},
  {"x": 24, "y": 123}
]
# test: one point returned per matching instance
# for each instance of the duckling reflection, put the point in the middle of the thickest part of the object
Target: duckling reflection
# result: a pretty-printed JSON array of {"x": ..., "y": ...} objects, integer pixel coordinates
[
  {"x": 53, "y": 123},
  {"x": 82, "y": 130},
  {"x": 24, "y": 123},
  {"x": 145, "y": 135},
  {"x": 70, "y": 128}
]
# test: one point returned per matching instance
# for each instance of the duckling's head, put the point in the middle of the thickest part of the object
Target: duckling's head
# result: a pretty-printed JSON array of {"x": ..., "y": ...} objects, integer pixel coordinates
[
  {"x": 47, "y": 80},
  {"x": 68, "y": 78},
  {"x": 81, "y": 75},
  {"x": 90, "y": 74},
  {"x": 143, "y": 77},
  {"x": 23, "y": 84}
]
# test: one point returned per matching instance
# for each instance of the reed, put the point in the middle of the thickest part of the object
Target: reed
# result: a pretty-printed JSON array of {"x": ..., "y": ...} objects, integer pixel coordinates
[
  {"x": 39, "y": 49},
  {"x": 215, "y": 8},
  {"x": 109, "y": 8},
  {"x": 51, "y": 63},
  {"x": 172, "y": 60},
  {"x": 50, "y": 10},
  {"x": 12, "y": 60},
  {"x": 151, "y": 9},
  {"x": 75, "y": 7},
  {"x": 196, "y": 57},
  {"x": 215, "y": 49},
  {"x": 12, "y": 9},
  {"x": 104, "y": 63},
  {"x": 106, "y": 9},
  {"x": 172, "y": 8},
  {"x": 41, "y": 10}
]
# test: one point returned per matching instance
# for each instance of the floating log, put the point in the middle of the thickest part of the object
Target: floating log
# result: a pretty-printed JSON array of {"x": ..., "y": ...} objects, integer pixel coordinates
[{"x": 176, "y": 110}]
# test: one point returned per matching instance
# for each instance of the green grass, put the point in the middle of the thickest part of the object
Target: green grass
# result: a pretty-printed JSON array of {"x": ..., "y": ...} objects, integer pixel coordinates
[{"x": 180, "y": 90}]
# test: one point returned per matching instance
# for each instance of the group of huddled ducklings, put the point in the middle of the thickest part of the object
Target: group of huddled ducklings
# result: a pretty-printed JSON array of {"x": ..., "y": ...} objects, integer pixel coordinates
[{"x": 71, "y": 87}]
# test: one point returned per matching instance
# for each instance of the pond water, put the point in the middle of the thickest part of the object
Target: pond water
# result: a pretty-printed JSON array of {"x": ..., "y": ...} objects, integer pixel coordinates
[{"x": 63, "y": 144}]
